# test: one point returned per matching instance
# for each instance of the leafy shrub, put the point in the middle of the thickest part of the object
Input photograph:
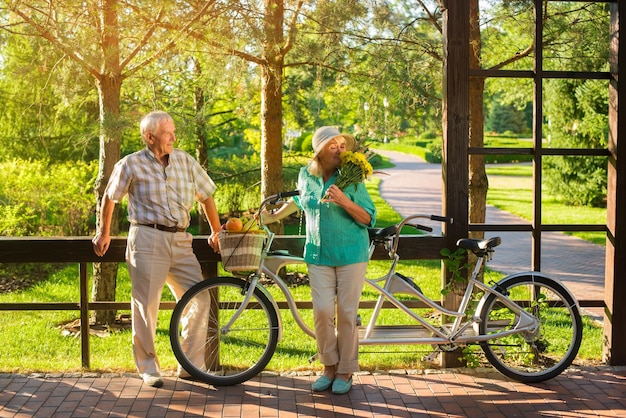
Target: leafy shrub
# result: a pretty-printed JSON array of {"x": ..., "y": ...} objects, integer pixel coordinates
[
  {"x": 238, "y": 181},
  {"x": 579, "y": 110},
  {"x": 578, "y": 181},
  {"x": 435, "y": 149},
  {"x": 39, "y": 198},
  {"x": 307, "y": 142},
  {"x": 298, "y": 143},
  {"x": 428, "y": 135},
  {"x": 17, "y": 220}
]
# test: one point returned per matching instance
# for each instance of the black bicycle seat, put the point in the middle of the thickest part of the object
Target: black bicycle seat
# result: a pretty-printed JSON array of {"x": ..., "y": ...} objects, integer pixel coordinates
[
  {"x": 478, "y": 244},
  {"x": 378, "y": 234}
]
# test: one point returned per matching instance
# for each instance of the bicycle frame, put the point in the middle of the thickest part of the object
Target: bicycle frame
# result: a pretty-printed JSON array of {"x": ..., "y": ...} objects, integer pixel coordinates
[
  {"x": 524, "y": 339},
  {"x": 460, "y": 332},
  {"x": 456, "y": 333}
]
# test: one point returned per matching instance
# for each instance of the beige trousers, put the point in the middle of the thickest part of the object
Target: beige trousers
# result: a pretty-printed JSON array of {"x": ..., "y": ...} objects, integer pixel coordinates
[
  {"x": 155, "y": 258},
  {"x": 336, "y": 292}
]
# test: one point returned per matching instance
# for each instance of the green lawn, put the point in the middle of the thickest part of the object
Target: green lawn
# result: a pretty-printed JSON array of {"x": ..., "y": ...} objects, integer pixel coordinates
[{"x": 511, "y": 189}]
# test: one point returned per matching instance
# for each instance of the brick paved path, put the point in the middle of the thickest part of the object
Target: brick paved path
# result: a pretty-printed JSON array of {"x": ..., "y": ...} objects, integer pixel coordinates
[{"x": 594, "y": 392}]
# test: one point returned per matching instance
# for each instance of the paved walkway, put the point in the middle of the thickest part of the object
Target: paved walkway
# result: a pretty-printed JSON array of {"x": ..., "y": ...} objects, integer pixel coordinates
[
  {"x": 575, "y": 393},
  {"x": 411, "y": 187},
  {"x": 414, "y": 186}
]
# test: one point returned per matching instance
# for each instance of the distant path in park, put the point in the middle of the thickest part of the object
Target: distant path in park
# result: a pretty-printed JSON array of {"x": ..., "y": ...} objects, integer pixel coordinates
[{"x": 415, "y": 186}]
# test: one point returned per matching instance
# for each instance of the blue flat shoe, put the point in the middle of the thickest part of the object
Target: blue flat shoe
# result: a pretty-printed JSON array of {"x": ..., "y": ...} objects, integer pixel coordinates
[
  {"x": 340, "y": 386},
  {"x": 321, "y": 384}
]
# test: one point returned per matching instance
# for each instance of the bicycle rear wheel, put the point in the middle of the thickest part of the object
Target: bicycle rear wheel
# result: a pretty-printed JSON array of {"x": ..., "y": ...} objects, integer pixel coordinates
[
  {"x": 531, "y": 357},
  {"x": 218, "y": 357}
]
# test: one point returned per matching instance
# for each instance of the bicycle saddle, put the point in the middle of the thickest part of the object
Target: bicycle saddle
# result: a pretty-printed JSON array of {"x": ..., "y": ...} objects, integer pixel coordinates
[
  {"x": 477, "y": 245},
  {"x": 382, "y": 233}
]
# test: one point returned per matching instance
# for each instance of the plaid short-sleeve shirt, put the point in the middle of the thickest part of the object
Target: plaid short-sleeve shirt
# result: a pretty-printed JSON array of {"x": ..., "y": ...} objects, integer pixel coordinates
[{"x": 157, "y": 194}]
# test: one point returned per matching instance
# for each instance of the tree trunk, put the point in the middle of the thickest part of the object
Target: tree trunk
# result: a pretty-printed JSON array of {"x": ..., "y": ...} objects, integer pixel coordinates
[
  {"x": 202, "y": 153},
  {"x": 109, "y": 85},
  {"x": 271, "y": 133},
  {"x": 478, "y": 183},
  {"x": 105, "y": 274},
  {"x": 271, "y": 102}
]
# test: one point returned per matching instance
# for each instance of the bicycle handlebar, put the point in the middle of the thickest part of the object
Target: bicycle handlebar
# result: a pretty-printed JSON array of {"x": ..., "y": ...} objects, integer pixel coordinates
[
  {"x": 446, "y": 219},
  {"x": 273, "y": 199},
  {"x": 421, "y": 227},
  {"x": 284, "y": 195},
  {"x": 270, "y": 200}
]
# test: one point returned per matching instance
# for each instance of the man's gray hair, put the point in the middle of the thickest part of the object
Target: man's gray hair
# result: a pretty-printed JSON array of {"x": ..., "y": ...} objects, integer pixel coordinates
[{"x": 151, "y": 122}]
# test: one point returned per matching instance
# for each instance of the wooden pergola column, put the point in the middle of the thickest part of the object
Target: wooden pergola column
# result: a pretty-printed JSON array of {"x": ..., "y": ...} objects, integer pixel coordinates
[
  {"x": 615, "y": 273},
  {"x": 455, "y": 164}
]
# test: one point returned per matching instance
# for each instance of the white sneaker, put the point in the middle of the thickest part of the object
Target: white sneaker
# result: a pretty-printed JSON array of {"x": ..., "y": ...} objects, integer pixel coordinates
[{"x": 152, "y": 379}]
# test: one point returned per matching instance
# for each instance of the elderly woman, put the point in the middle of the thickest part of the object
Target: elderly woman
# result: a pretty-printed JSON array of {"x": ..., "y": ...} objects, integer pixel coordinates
[{"x": 336, "y": 253}]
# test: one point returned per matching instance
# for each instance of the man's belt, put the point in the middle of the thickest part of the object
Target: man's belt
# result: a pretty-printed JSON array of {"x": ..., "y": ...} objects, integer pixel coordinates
[{"x": 165, "y": 228}]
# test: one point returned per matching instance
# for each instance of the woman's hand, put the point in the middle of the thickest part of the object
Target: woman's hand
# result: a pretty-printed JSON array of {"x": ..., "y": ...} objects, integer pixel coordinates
[
  {"x": 337, "y": 196},
  {"x": 269, "y": 217},
  {"x": 276, "y": 215}
]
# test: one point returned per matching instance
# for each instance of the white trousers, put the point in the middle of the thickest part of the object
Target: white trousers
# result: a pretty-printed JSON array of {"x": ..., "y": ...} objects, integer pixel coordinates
[
  {"x": 336, "y": 292},
  {"x": 155, "y": 258}
]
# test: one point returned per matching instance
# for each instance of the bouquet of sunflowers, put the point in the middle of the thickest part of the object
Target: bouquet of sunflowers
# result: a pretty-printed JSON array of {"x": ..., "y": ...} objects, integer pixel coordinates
[{"x": 355, "y": 167}]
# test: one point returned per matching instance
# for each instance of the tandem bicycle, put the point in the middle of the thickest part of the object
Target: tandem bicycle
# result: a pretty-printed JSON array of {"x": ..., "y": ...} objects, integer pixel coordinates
[{"x": 527, "y": 324}]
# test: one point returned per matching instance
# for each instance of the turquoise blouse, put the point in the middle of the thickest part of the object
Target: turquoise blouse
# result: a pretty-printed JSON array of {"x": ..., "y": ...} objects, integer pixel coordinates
[{"x": 333, "y": 237}]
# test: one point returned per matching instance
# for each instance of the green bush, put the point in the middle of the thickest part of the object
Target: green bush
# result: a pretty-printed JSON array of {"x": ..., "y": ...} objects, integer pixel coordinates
[
  {"x": 238, "y": 183},
  {"x": 435, "y": 151},
  {"x": 428, "y": 135},
  {"x": 39, "y": 198},
  {"x": 298, "y": 143},
  {"x": 579, "y": 181},
  {"x": 306, "y": 145},
  {"x": 579, "y": 110}
]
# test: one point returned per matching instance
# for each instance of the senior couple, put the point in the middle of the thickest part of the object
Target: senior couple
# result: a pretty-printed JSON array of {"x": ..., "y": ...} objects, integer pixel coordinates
[{"x": 162, "y": 183}]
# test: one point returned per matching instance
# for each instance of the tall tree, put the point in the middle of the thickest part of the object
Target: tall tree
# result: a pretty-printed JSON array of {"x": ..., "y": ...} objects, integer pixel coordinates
[
  {"x": 262, "y": 33},
  {"x": 276, "y": 35},
  {"x": 48, "y": 113},
  {"x": 110, "y": 40},
  {"x": 478, "y": 184}
]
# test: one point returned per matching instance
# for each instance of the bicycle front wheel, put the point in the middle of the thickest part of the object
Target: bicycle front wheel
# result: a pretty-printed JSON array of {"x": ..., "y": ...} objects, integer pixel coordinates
[
  {"x": 541, "y": 354},
  {"x": 216, "y": 355}
]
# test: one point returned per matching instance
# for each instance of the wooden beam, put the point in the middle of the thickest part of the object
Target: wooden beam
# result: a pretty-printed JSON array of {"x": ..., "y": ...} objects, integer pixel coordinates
[
  {"x": 455, "y": 121},
  {"x": 455, "y": 98},
  {"x": 80, "y": 250},
  {"x": 537, "y": 137},
  {"x": 615, "y": 272}
]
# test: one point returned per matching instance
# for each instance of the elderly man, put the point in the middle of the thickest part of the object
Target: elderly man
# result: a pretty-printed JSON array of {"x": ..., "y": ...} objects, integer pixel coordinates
[{"x": 161, "y": 183}]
